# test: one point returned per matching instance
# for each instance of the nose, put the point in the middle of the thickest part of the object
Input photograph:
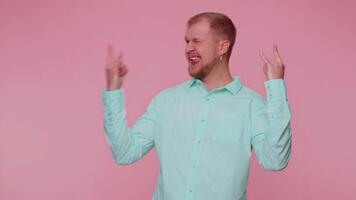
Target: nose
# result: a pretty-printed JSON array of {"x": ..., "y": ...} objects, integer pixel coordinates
[{"x": 189, "y": 47}]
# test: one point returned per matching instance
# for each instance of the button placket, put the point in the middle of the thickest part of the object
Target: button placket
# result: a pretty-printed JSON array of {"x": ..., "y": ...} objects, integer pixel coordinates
[{"x": 198, "y": 148}]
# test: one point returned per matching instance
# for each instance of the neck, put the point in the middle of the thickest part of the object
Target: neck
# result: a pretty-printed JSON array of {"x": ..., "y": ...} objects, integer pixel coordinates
[{"x": 218, "y": 77}]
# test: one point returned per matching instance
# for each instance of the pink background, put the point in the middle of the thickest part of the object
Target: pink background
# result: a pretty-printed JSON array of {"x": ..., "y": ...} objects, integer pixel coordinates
[{"x": 52, "y": 143}]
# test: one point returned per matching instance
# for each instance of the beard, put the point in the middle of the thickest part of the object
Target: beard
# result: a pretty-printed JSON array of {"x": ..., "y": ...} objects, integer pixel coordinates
[{"x": 200, "y": 71}]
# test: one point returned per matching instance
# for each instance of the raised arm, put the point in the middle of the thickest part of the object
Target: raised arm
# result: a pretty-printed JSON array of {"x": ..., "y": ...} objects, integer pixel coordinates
[
  {"x": 128, "y": 145},
  {"x": 271, "y": 128}
]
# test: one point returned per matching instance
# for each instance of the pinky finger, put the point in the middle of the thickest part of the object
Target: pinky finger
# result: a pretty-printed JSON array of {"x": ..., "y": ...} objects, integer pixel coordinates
[{"x": 263, "y": 57}]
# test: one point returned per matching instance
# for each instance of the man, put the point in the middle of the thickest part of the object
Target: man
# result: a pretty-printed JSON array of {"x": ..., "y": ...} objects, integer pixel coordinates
[{"x": 203, "y": 129}]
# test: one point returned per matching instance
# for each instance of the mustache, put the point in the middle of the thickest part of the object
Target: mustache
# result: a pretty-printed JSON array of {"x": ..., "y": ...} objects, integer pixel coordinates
[{"x": 189, "y": 55}]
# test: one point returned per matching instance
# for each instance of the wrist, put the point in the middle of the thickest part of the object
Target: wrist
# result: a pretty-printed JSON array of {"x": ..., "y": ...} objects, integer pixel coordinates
[{"x": 110, "y": 88}]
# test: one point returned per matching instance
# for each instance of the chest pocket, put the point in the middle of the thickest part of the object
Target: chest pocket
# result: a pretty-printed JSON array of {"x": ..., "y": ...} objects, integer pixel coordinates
[{"x": 227, "y": 128}]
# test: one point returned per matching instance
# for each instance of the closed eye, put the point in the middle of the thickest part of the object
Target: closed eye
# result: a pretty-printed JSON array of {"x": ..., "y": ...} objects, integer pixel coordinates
[{"x": 195, "y": 40}]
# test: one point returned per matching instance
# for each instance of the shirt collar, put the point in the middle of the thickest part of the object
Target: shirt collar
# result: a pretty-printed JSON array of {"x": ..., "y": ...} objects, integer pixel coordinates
[{"x": 233, "y": 87}]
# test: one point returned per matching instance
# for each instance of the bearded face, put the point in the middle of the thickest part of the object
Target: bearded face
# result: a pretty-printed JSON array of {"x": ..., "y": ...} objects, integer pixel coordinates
[{"x": 201, "y": 49}]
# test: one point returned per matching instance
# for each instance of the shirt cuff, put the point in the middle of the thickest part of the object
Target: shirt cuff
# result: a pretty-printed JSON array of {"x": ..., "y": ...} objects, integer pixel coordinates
[
  {"x": 113, "y": 100},
  {"x": 276, "y": 90}
]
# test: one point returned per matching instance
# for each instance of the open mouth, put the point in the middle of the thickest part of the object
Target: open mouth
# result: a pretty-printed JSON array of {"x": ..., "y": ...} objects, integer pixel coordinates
[{"x": 194, "y": 60}]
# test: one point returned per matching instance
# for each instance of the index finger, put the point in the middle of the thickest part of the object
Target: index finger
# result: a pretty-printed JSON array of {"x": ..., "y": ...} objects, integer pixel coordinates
[
  {"x": 119, "y": 57},
  {"x": 276, "y": 53}
]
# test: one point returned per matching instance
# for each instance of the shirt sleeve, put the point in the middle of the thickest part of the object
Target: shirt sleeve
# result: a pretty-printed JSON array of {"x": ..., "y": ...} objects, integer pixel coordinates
[
  {"x": 271, "y": 128},
  {"x": 128, "y": 144}
]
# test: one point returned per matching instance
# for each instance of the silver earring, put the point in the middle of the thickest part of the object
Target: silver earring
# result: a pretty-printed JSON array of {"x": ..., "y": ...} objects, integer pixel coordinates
[{"x": 220, "y": 58}]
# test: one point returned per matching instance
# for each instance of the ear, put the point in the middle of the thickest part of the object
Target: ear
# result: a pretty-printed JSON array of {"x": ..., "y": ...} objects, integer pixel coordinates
[{"x": 224, "y": 46}]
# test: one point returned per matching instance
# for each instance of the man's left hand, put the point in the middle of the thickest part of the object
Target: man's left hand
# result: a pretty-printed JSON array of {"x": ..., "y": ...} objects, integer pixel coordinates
[{"x": 273, "y": 70}]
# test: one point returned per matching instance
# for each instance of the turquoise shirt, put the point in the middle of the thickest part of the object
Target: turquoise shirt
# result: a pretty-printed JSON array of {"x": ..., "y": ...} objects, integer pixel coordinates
[{"x": 203, "y": 139}]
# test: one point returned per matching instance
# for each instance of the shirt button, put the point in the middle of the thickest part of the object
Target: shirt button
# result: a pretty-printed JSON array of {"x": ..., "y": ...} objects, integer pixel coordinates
[
  {"x": 190, "y": 190},
  {"x": 203, "y": 120},
  {"x": 208, "y": 99},
  {"x": 194, "y": 166},
  {"x": 198, "y": 141}
]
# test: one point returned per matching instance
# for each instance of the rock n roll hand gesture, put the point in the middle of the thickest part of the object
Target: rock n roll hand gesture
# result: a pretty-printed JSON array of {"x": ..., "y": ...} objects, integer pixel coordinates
[
  {"x": 115, "y": 69},
  {"x": 273, "y": 70}
]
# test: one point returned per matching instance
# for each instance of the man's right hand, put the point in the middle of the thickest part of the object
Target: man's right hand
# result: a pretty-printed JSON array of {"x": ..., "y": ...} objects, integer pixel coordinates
[{"x": 115, "y": 69}]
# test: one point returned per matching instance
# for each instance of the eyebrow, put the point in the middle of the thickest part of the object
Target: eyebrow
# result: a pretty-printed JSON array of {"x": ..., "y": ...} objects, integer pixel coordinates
[{"x": 196, "y": 38}]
